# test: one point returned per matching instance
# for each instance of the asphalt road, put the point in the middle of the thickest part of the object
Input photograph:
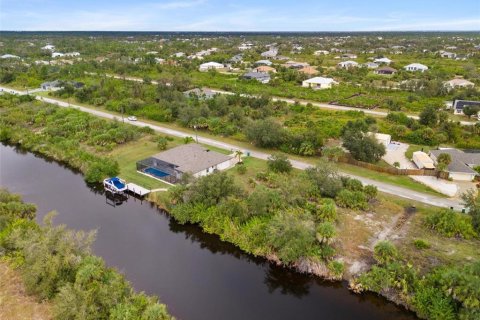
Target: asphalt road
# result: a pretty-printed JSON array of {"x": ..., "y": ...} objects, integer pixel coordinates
[{"x": 383, "y": 187}]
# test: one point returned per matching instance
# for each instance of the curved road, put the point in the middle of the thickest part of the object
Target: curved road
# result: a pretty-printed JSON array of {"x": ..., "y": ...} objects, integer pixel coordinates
[{"x": 383, "y": 187}]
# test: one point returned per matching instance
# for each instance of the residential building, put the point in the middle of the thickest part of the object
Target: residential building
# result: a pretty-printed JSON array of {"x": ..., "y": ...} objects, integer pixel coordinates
[
  {"x": 386, "y": 70},
  {"x": 262, "y": 77},
  {"x": 9, "y": 56},
  {"x": 416, "y": 67},
  {"x": 446, "y": 54},
  {"x": 321, "y": 52},
  {"x": 371, "y": 65},
  {"x": 308, "y": 70},
  {"x": 51, "y": 85},
  {"x": 319, "y": 83},
  {"x": 348, "y": 64},
  {"x": 49, "y": 47},
  {"x": 272, "y": 53},
  {"x": 200, "y": 93},
  {"x": 265, "y": 69},
  {"x": 295, "y": 64},
  {"x": 263, "y": 62},
  {"x": 458, "y": 83},
  {"x": 349, "y": 56},
  {"x": 210, "y": 66},
  {"x": 459, "y": 105},
  {"x": 462, "y": 164},
  {"x": 383, "y": 60},
  {"x": 383, "y": 138},
  {"x": 193, "y": 158}
]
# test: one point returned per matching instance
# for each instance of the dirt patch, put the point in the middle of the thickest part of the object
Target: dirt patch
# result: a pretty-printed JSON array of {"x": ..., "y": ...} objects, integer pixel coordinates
[{"x": 15, "y": 304}]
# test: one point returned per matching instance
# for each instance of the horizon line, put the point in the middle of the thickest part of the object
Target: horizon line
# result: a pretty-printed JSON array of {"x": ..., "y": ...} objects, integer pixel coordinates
[{"x": 245, "y": 31}]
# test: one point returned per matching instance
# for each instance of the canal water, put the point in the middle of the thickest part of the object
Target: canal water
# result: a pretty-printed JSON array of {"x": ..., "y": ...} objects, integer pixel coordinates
[{"x": 195, "y": 274}]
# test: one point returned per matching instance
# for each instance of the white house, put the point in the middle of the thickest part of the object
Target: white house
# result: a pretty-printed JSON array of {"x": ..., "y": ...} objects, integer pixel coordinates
[
  {"x": 416, "y": 67},
  {"x": 321, "y": 52},
  {"x": 9, "y": 56},
  {"x": 57, "y": 54},
  {"x": 383, "y": 60},
  {"x": 371, "y": 65},
  {"x": 383, "y": 138},
  {"x": 422, "y": 160},
  {"x": 72, "y": 54},
  {"x": 458, "y": 83},
  {"x": 50, "y": 47},
  {"x": 272, "y": 53},
  {"x": 319, "y": 83},
  {"x": 348, "y": 64},
  {"x": 210, "y": 66}
]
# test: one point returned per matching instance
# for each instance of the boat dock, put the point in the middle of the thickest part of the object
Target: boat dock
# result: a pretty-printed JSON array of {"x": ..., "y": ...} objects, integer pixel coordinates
[{"x": 136, "y": 189}]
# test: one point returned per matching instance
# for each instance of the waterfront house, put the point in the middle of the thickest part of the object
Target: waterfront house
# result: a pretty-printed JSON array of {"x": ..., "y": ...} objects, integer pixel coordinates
[{"x": 193, "y": 158}]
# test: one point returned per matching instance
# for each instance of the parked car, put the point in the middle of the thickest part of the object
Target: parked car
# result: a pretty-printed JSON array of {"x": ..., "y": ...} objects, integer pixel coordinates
[{"x": 132, "y": 118}]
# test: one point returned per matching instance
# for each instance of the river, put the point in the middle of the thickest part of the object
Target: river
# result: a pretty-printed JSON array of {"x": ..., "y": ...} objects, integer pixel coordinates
[{"x": 195, "y": 274}]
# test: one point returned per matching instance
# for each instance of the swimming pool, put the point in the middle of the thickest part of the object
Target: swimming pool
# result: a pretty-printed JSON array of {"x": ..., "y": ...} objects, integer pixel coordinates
[{"x": 155, "y": 172}]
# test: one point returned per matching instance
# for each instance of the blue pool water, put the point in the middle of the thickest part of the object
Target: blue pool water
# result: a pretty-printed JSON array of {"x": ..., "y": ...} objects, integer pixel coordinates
[{"x": 156, "y": 172}]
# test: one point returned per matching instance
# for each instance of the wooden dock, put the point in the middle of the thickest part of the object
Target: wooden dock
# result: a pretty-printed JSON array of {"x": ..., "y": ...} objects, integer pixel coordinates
[{"x": 136, "y": 189}]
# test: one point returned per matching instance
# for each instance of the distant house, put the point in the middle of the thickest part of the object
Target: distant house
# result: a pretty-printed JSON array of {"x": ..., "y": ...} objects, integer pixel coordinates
[
  {"x": 57, "y": 54},
  {"x": 386, "y": 71},
  {"x": 236, "y": 58},
  {"x": 447, "y": 54},
  {"x": 272, "y": 53},
  {"x": 347, "y": 64},
  {"x": 265, "y": 69},
  {"x": 159, "y": 60},
  {"x": 422, "y": 160},
  {"x": 245, "y": 46},
  {"x": 371, "y": 65},
  {"x": 383, "y": 60},
  {"x": 200, "y": 93},
  {"x": 308, "y": 70},
  {"x": 321, "y": 52},
  {"x": 51, "y": 85},
  {"x": 210, "y": 66},
  {"x": 349, "y": 56},
  {"x": 49, "y": 47},
  {"x": 170, "y": 165},
  {"x": 9, "y": 56},
  {"x": 458, "y": 83},
  {"x": 461, "y": 167},
  {"x": 319, "y": 83},
  {"x": 295, "y": 64},
  {"x": 179, "y": 54},
  {"x": 459, "y": 105},
  {"x": 416, "y": 67},
  {"x": 263, "y": 62},
  {"x": 262, "y": 77}
]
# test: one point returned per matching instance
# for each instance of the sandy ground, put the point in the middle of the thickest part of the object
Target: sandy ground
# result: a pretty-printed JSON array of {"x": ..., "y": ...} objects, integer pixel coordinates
[{"x": 15, "y": 304}]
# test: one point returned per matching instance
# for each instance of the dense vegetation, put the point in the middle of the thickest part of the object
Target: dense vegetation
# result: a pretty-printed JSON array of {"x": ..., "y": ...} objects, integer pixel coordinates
[
  {"x": 286, "y": 216},
  {"x": 57, "y": 265},
  {"x": 66, "y": 135}
]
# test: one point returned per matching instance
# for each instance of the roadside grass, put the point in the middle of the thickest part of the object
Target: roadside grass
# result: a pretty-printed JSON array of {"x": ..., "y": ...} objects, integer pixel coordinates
[
  {"x": 253, "y": 166},
  {"x": 14, "y": 302},
  {"x": 413, "y": 148},
  {"x": 402, "y": 181}
]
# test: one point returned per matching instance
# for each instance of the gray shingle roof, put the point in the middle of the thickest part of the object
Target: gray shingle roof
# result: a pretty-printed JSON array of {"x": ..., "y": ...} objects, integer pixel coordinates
[
  {"x": 192, "y": 158},
  {"x": 460, "y": 160}
]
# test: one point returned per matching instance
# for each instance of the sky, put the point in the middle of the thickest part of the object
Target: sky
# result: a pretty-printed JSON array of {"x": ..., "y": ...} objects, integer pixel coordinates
[{"x": 240, "y": 15}]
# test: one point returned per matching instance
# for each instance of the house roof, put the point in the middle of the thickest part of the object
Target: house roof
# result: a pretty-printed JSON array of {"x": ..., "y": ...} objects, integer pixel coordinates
[
  {"x": 320, "y": 80},
  {"x": 256, "y": 75},
  {"x": 460, "y": 160},
  {"x": 460, "y": 104},
  {"x": 265, "y": 69},
  {"x": 265, "y": 62},
  {"x": 459, "y": 82},
  {"x": 192, "y": 158},
  {"x": 424, "y": 159},
  {"x": 308, "y": 70},
  {"x": 416, "y": 65},
  {"x": 386, "y": 69}
]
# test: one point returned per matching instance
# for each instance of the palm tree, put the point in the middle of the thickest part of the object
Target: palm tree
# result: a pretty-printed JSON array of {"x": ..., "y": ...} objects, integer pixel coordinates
[{"x": 239, "y": 155}]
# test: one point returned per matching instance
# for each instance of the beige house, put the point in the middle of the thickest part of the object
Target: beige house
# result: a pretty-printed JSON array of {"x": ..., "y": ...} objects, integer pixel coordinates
[{"x": 265, "y": 69}]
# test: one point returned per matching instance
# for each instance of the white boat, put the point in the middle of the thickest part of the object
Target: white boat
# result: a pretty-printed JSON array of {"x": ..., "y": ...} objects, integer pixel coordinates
[{"x": 115, "y": 185}]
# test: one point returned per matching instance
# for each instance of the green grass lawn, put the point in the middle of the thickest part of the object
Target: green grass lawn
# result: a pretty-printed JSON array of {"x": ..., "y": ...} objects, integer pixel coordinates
[{"x": 401, "y": 181}]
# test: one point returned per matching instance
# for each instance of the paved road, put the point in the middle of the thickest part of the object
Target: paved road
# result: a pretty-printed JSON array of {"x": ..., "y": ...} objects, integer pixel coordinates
[
  {"x": 383, "y": 187},
  {"x": 291, "y": 101}
]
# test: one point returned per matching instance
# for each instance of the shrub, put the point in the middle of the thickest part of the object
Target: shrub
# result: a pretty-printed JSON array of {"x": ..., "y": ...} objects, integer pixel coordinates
[
  {"x": 351, "y": 199},
  {"x": 421, "y": 244},
  {"x": 451, "y": 224},
  {"x": 279, "y": 163},
  {"x": 241, "y": 169},
  {"x": 336, "y": 268},
  {"x": 370, "y": 191},
  {"x": 328, "y": 210},
  {"x": 385, "y": 252}
]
